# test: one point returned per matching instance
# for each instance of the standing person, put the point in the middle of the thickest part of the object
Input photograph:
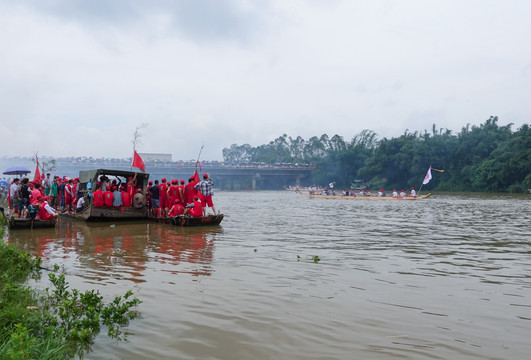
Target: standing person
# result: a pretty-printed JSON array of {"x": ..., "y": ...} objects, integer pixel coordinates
[
  {"x": 69, "y": 196},
  {"x": 181, "y": 192},
  {"x": 163, "y": 196},
  {"x": 14, "y": 195},
  {"x": 131, "y": 185},
  {"x": 148, "y": 195},
  {"x": 190, "y": 191},
  {"x": 205, "y": 193},
  {"x": 61, "y": 188},
  {"x": 53, "y": 192},
  {"x": 47, "y": 184},
  {"x": 173, "y": 192},
  {"x": 154, "y": 191},
  {"x": 24, "y": 195}
]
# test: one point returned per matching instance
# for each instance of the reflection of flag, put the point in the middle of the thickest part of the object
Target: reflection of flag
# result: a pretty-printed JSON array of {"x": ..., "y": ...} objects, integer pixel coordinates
[
  {"x": 427, "y": 178},
  {"x": 37, "y": 172},
  {"x": 138, "y": 162}
]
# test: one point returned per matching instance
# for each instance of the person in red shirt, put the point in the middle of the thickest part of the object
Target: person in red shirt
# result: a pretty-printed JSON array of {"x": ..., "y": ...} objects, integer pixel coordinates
[
  {"x": 163, "y": 196},
  {"x": 97, "y": 197},
  {"x": 126, "y": 199},
  {"x": 69, "y": 196},
  {"x": 46, "y": 212},
  {"x": 190, "y": 191},
  {"x": 177, "y": 208},
  {"x": 181, "y": 191},
  {"x": 194, "y": 209},
  {"x": 173, "y": 192},
  {"x": 108, "y": 197},
  {"x": 131, "y": 185}
]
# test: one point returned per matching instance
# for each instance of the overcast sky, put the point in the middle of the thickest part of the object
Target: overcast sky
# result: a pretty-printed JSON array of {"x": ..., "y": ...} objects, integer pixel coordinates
[{"x": 77, "y": 77}]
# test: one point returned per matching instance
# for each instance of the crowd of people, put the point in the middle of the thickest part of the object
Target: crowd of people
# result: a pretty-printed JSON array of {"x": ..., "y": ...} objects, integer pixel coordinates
[
  {"x": 45, "y": 197},
  {"x": 361, "y": 192},
  {"x": 33, "y": 199},
  {"x": 162, "y": 199}
]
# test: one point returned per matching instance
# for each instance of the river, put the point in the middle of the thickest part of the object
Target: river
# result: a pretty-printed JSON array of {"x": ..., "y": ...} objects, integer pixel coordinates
[{"x": 447, "y": 277}]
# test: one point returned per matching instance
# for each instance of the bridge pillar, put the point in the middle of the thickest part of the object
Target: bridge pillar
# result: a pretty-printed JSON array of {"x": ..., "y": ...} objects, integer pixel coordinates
[{"x": 253, "y": 184}]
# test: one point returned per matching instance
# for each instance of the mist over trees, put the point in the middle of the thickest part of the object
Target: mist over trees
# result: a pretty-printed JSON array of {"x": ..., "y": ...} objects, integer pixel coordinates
[{"x": 487, "y": 157}]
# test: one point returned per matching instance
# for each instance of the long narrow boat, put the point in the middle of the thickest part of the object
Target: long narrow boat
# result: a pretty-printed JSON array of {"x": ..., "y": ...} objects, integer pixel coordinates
[
  {"x": 15, "y": 223},
  {"x": 92, "y": 213},
  {"x": 343, "y": 197}
]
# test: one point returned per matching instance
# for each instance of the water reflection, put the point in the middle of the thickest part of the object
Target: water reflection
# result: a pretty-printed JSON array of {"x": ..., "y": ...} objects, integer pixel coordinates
[{"x": 107, "y": 252}]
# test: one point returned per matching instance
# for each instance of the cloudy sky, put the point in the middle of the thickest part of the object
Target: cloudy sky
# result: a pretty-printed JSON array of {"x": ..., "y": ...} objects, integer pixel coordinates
[{"x": 77, "y": 77}]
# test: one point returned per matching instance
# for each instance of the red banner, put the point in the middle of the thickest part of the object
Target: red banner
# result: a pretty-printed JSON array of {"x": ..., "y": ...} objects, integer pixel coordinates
[{"x": 138, "y": 162}]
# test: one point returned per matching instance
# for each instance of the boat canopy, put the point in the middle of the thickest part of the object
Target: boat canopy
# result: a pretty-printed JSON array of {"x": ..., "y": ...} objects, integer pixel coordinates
[{"x": 87, "y": 176}]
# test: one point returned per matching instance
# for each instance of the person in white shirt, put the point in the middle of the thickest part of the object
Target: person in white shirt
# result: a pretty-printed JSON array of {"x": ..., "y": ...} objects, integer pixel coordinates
[
  {"x": 13, "y": 196},
  {"x": 413, "y": 192},
  {"x": 395, "y": 193},
  {"x": 80, "y": 203}
]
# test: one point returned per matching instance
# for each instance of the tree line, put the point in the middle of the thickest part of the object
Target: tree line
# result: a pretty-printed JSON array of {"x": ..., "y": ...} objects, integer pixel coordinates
[{"x": 484, "y": 158}]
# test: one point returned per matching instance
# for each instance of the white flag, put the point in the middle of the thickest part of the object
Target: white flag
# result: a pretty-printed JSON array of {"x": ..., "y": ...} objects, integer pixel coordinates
[{"x": 427, "y": 178}]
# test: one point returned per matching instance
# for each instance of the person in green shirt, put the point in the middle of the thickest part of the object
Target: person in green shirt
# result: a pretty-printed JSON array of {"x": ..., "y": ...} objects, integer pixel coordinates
[{"x": 53, "y": 192}]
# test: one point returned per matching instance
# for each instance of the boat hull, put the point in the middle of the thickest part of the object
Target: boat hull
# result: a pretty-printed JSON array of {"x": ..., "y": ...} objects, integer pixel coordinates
[
  {"x": 182, "y": 220},
  {"x": 30, "y": 224},
  {"x": 92, "y": 213},
  {"x": 379, "y": 198}
]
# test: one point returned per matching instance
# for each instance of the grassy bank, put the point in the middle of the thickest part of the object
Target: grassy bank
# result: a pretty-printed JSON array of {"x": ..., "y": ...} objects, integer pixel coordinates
[{"x": 58, "y": 324}]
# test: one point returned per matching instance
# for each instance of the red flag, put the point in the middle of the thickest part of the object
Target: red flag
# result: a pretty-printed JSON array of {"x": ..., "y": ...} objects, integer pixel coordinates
[
  {"x": 196, "y": 176},
  {"x": 37, "y": 172},
  {"x": 138, "y": 162}
]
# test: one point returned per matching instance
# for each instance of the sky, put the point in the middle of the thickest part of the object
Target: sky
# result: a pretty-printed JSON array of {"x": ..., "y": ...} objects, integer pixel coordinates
[{"x": 78, "y": 77}]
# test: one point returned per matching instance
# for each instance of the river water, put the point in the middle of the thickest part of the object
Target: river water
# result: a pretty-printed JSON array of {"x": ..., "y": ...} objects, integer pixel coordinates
[{"x": 448, "y": 277}]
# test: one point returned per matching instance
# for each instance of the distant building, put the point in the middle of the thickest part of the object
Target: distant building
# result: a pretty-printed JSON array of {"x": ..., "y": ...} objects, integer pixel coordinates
[{"x": 154, "y": 156}]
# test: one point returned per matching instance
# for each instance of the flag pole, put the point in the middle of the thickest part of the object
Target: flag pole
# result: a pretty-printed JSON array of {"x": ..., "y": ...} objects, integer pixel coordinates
[{"x": 198, "y": 156}]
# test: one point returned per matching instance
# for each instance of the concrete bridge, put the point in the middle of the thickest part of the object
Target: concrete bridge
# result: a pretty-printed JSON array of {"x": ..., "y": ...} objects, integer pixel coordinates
[
  {"x": 224, "y": 177},
  {"x": 240, "y": 178}
]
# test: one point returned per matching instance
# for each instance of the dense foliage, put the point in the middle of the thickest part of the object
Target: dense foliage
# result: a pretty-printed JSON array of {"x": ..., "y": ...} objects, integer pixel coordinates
[
  {"x": 61, "y": 324},
  {"x": 487, "y": 157}
]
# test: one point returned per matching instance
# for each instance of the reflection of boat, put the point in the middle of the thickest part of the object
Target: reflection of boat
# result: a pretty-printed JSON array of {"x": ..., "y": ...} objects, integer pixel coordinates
[
  {"x": 92, "y": 213},
  {"x": 365, "y": 197},
  {"x": 183, "y": 220},
  {"x": 15, "y": 223}
]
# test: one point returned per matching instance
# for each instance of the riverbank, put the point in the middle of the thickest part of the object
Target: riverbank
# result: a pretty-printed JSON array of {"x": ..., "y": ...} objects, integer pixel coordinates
[{"x": 60, "y": 324}]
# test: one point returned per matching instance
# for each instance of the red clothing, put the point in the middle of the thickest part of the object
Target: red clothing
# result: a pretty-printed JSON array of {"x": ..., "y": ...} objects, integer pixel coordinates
[
  {"x": 35, "y": 194},
  {"x": 163, "y": 196},
  {"x": 97, "y": 198},
  {"x": 43, "y": 214},
  {"x": 177, "y": 209},
  {"x": 189, "y": 192},
  {"x": 131, "y": 190},
  {"x": 108, "y": 198},
  {"x": 126, "y": 199},
  {"x": 174, "y": 194},
  {"x": 197, "y": 210}
]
